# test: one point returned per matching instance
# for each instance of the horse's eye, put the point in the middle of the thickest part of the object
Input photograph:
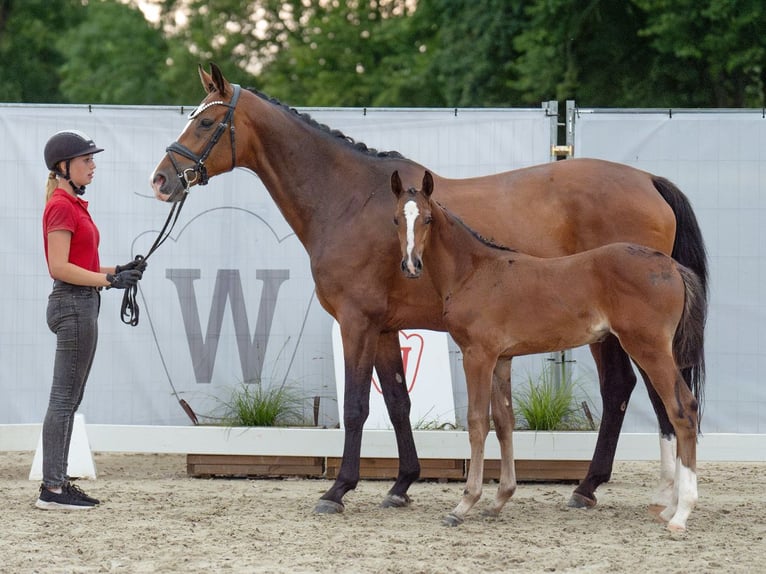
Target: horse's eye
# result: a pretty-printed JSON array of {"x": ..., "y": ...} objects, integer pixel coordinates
[
  {"x": 206, "y": 122},
  {"x": 428, "y": 220},
  {"x": 396, "y": 221}
]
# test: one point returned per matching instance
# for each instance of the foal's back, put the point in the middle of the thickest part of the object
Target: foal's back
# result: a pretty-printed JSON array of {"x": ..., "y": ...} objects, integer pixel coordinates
[{"x": 521, "y": 304}]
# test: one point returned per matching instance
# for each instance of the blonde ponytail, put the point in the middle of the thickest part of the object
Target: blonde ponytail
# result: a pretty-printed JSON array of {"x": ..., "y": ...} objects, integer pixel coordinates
[{"x": 50, "y": 185}]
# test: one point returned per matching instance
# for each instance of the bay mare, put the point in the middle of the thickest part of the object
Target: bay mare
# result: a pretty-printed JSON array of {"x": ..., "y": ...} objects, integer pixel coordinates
[
  {"x": 335, "y": 194},
  {"x": 500, "y": 303}
]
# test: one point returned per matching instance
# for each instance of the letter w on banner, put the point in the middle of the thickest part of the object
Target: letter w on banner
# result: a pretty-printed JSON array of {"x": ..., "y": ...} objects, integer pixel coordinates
[{"x": 425, "y": 355}]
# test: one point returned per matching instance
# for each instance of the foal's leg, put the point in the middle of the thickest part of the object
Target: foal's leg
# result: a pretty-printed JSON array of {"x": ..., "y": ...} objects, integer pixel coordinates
[
  {"x": 617, "y": 381},
  {"x": 502, "y": 415},
  {"x": 390, "y": 369},
  {"x": 478, "y": 368},
  {"x": 663, "y": 494},
  {"x": 681, "y": 407}
]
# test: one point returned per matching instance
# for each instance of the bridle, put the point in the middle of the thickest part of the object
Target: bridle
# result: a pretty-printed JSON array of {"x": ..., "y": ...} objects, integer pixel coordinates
[
  {"x": 189, "y": 176},
  {"x": 198, "y": 173}
]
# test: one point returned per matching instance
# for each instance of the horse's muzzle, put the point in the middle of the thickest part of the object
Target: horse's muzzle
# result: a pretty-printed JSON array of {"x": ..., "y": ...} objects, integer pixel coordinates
[
  {"x": 412, "y": 268},
  {"x": 165, "y": 188}
]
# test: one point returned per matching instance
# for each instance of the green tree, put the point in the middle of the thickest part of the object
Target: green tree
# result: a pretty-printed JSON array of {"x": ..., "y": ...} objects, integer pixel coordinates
[
  {"x": 29, "y": 59},
  {"x": 101, "y": 66},
  {"x": 470, "y": 49},
  {"x": 643, "y": 53},
  {"x": 348, "y": 54},
  {"x": 589, "y": 51},
  {"x": 708, "y": 52}
]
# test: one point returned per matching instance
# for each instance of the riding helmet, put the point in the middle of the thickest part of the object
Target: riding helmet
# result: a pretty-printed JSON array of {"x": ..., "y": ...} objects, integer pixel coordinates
[{"x": 68, "y": 144}]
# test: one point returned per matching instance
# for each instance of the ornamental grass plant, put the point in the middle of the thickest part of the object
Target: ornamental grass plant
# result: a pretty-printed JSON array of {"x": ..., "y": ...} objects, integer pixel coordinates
[{"x": 550, "y": 403}]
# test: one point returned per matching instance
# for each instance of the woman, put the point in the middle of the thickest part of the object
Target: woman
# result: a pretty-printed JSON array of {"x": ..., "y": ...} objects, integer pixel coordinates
[{"x": 71, "y": 250}]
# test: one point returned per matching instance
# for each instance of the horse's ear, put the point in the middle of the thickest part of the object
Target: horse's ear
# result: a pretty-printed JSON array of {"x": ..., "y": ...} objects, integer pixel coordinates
[
  {"x": 396, "y": 183},
  {"x": 428, "y": 184},
  {"x": 220, "y": 82},
  {"x": 206, "y": 79}
]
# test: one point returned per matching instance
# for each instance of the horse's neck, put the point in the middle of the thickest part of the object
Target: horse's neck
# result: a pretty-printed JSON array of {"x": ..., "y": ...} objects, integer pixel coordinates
[{"x": 301, "y": 168}]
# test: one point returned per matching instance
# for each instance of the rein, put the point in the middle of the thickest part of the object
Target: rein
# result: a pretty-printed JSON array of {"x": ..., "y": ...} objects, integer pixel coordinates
[
  {"x": 188, "y": 177},
  {"x": 129, "y": 308}
]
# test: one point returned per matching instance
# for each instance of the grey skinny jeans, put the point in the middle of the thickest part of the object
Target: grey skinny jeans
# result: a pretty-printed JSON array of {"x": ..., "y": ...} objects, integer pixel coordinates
[{"x": 73, "y": 316}]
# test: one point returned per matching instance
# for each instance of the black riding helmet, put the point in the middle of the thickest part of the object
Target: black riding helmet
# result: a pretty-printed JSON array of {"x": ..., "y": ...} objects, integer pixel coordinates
[{"x": 65, "y": 145}]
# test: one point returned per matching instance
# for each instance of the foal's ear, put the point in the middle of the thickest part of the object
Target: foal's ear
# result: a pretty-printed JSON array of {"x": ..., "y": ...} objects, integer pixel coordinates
[
  {"x": 396, "y": 183},
  {"x": 428, "y": 184}
]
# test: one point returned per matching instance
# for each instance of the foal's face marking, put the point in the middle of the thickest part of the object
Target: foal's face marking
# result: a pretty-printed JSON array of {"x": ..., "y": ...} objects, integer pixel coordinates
[{"x": 411, "y": 213}]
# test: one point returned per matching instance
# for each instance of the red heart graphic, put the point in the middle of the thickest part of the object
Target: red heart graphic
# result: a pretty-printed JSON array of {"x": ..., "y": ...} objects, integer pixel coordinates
[{"x": 412, "y": 352}]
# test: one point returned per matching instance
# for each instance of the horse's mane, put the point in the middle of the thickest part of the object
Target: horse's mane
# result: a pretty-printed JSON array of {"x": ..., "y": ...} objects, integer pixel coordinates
[
  {"x": 485, "y": 240},
  {"x": 306, "y": 118}
]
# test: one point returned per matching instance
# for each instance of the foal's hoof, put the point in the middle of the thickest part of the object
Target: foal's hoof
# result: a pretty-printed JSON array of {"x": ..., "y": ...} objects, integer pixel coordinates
[
  {"x": 676, "y": 528},
  {"x": 452, "y": 520},
  {"x": 577, "y": 500},
  {"x": 395, "y": 501},
  {"x": 490, "y": 513},
  {"x": 656, "y": 509},
  {"x": 328, "y": 507}
]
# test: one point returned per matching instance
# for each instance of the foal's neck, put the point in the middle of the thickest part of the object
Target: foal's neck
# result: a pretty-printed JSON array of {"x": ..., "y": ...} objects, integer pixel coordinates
[{"x": 456, "y": 248}]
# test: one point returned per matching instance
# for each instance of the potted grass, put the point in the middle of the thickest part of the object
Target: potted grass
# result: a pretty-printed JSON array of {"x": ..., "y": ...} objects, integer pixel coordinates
[
  {"x": 257, "y": 405},
  {"x": 545, "y": 406}
]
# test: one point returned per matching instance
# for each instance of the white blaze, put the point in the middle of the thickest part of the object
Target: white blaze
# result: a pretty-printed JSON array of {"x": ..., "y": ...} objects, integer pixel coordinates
[{"x": 411, "y": 213}]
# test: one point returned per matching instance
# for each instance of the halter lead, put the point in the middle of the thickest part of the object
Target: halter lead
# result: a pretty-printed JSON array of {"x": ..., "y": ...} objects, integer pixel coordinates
[{"x": 198, "y": 173}]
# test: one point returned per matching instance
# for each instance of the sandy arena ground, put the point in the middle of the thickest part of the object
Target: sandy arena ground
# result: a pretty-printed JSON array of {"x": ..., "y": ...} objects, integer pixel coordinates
[{"x": 154, "y": 518}]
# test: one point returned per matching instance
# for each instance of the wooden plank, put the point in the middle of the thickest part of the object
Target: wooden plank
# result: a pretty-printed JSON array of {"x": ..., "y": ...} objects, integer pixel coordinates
[
  {"x": 539, "y": 470},
  {"x": 232, "y": 465},
  {"x": 388, "y": 468},
  {"x": 212, "y": 465},
  {"x": 250, "y": 459}
]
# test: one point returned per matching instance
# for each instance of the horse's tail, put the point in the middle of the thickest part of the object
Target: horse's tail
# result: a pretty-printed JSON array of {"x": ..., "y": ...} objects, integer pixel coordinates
[
  {"x": 689, "y": 251},
  {"x": 689, "y": 340}
]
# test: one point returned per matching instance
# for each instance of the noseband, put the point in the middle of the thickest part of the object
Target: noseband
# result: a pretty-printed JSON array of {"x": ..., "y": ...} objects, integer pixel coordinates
[{"x": 198, "y": 173}]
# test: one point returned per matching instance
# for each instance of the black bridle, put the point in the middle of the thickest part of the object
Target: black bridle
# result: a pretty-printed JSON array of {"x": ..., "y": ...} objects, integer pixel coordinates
[
  {"x": 188, "y": 177},
  {"x": 198, "y": 173}
]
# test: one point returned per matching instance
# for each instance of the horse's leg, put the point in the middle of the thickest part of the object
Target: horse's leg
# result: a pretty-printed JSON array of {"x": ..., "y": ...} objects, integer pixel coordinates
[
  {"x": 390, "y": 369},
  {"x": 616, "y": 381},
  {"x": 681, "y": 407},
  {"x": 359, "y": 346},
  {"x": 478, "y": 376},
  {"x": 664, "y": 492},
  {"x": 502, "y": 415}
]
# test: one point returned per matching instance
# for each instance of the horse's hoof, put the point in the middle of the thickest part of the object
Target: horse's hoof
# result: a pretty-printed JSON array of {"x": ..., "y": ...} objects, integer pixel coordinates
[
  {"x": 676, "y": 528},
  {"x": 490, "y": 513},
  {"x": 328, "y": 507},
  {"x": 577, "y": 500},
  {"x": 452, "y": 520},
  {"x": 395, "y": 501},
  {"x": 656, "y": 509}
]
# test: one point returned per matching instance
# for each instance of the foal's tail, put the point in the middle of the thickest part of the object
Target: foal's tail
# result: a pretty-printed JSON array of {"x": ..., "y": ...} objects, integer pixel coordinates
[
  {"x": 689, "y": 340},
  {"x": 689, "y": 251}
]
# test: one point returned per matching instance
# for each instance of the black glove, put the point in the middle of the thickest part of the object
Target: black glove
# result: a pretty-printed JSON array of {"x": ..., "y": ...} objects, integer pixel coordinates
[
  {"x": 138, "y": 263},
  {"x": 124, "y": 279}
]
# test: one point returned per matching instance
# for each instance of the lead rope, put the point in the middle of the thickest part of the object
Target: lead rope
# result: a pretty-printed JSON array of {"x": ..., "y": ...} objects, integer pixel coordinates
[{"x": 129, "y": 310}]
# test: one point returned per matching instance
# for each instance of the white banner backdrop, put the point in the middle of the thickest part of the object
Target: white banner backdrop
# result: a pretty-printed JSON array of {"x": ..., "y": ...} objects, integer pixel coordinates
[
  {"x": 230, "y": 249},
  {"x": 718, "y": 159}
]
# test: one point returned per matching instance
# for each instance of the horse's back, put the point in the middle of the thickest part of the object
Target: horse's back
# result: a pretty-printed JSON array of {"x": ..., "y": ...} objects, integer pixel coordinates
[{"x": 563, "y": 207}]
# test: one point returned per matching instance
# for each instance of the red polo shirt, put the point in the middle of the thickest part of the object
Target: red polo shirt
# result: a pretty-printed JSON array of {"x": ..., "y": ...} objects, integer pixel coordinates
[{"x": 66, "y": 212}]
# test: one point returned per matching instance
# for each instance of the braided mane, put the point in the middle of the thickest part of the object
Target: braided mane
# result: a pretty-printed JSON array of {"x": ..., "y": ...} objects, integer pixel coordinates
[{"x": 306, "y": 118}]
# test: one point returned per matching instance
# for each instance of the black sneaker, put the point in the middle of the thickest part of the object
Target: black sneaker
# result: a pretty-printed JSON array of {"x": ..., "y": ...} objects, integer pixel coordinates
[
  {"x": 77, "y": 492},
  {"x": 64, "y": 500}
]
